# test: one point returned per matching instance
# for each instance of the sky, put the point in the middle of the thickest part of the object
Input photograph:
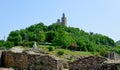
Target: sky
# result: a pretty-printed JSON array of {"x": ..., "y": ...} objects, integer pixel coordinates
[{"x": 97, "y": 16}]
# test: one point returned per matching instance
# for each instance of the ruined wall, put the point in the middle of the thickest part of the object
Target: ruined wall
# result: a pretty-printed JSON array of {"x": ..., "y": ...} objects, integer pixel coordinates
[
  {"x": 11, "y": 59},
  {"x": 91, "y": 63},
  {"x": 113, "y": 56},
  {"x": 44, "y": 62},
  {"x": 0, "y": 56},
  {"x": 30, "y": 61},
  {"x": 110, "y": 66}
]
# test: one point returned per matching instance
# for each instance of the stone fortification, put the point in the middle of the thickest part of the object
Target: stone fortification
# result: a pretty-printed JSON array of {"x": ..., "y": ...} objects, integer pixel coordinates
[
  {"x": 30, "y": 61},
  {"x": 93, "y": 63}
]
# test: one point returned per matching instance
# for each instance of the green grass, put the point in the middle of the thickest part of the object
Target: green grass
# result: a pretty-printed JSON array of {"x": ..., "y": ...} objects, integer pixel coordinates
[{"x": 67, "y": 52}]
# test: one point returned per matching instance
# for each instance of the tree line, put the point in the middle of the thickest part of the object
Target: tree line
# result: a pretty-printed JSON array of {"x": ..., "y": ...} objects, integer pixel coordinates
[{"x": 60, "y": 36}]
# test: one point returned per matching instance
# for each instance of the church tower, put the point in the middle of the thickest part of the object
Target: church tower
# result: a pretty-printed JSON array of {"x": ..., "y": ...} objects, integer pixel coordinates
[{"x": 64, "y": 20}]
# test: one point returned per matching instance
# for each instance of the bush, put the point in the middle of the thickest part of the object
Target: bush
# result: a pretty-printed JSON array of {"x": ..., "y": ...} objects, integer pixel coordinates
[
  {"x": 50, "y": 48},
  {"x": 60, "y": 53},
  {"x": 103, "y": 52},
  {"x": 8, "y": 44},
  {"x": 73, "y": 47},
  {"x": 28, "y": 43}
]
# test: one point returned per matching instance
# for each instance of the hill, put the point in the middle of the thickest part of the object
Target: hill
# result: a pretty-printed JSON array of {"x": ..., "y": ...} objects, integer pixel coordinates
[{"x": 59, "y": 36}]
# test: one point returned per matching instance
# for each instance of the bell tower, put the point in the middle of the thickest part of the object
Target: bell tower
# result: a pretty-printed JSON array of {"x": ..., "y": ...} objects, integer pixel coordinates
[{"x": 63, "y": 20}]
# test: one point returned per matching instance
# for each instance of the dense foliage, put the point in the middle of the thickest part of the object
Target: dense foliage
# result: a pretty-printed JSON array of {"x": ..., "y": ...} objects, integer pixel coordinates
[
  {"x": 59, "y": 35},
  {"x": 118, "y": 43}
]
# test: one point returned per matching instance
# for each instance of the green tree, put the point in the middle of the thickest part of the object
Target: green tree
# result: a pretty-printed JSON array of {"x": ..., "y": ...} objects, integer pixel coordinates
[
  {"x": 37, "y": 27},
  {"x": 63, "y": 39},
  {"x": 50, "y": 36},
  {"x": 57, "y": 27},
  {"x": 41, "y": 37},
  {"x": 15, "y": 37},
  {"x": 9, "y": 44},
  {"x": 2, "y": 43},
  {"x": 60, "y": 35}
]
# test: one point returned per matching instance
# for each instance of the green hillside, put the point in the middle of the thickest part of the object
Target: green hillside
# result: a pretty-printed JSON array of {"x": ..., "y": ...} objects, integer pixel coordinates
[{"x": 64, "y": 37}]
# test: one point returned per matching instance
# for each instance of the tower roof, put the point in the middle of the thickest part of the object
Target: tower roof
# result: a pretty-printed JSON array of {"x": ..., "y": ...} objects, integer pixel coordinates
[{"x": 63, "y": 14}]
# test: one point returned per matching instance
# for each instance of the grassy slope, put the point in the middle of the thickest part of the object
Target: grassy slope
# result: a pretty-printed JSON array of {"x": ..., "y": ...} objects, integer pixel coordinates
[{"x": 67, "y": 53}]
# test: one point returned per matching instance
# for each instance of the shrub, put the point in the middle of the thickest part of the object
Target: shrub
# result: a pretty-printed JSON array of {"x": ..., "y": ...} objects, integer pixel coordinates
[
  {"x": 60, "y": 53},
  {"x": 50, "y": 48},
  {"x": 73, "y": 47},
  {"x": 27, "y": 43},
  {"x": 8, "y": 44}
]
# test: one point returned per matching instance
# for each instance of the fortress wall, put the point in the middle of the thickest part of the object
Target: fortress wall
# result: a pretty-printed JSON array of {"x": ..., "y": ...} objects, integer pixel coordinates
[
  {"x": 93, "y": 63},
  {"x": 30, "y": 61}
]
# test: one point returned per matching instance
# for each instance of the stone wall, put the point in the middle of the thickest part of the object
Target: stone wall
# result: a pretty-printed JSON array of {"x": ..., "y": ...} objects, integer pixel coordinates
[
  {"x": 110, "y": 66},
  {"x": 92, "y": 63},
  {"x": 30, "y": 61},
  {"x": 113, "y": 56},
  {"x": 0, "y": 56}
]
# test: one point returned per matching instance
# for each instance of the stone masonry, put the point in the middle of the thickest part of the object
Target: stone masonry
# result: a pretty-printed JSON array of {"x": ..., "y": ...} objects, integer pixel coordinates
[
  {"x": 30, "y": 60},
  {"x": 26, "y": 61},
  {"x": 113, "y": 56},
  {"x": 93, "y": 63}
]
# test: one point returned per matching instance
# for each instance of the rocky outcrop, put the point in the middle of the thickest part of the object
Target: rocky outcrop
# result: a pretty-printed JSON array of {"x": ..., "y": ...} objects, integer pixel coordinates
[{"x": 30, "y": 61}]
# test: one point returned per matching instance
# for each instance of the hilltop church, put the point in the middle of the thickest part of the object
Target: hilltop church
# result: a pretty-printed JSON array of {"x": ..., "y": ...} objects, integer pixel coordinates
[{"x": 63, "y": 20}]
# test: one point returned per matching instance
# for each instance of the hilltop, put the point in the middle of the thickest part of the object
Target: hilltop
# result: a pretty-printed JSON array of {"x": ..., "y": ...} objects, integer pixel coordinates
[{"x": 59, "y": 36}]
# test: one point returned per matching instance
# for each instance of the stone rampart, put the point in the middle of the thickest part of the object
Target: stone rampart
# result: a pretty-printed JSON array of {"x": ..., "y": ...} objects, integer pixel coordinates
[
  {"x": 93, "y": 63},
  {"x": 30, "y": 61}
]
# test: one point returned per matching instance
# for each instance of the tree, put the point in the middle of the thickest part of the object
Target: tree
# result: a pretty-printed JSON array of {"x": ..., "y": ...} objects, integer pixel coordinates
[
  {"x": 73, "y": 30},
  {"x": 37, "y": 27},
  {"x": 57, "y": 27},
  {"x": 41, "y": 37},
  {"x": 2, "y": 43},
  {"x": 81, "y": 45},
  {"x": 50, "y": 36},
  {"x": 15, "y": 37},
  {"x": 63, "y": 39},
  {"x": 60, "y": 35},
  {"x": 8, "y": 44}
]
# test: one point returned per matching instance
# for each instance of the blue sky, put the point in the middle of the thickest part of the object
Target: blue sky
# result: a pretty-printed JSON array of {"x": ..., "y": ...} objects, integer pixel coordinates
[{"x": 98, "y": 16}]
